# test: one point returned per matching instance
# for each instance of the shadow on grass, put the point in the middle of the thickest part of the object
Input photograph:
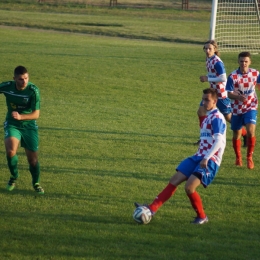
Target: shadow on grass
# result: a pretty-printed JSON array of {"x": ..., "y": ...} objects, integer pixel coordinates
[
  {"x": 22, "y": 192},
  {"x": 105, "y": 173},
  {"x": 110, "y": 132}
]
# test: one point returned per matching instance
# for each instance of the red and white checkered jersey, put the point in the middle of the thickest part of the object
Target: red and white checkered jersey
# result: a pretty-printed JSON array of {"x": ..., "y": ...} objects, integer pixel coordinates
[
  {"x": 245, "y": 85},
  {"x": 213, "y": 124},
  {"x": 213, "y": 73}
]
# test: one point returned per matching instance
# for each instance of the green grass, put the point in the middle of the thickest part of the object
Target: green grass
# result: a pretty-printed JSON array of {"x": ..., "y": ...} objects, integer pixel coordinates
[
  {"x": 117, "y": 116},
  {"x": 151, "y": 24}
]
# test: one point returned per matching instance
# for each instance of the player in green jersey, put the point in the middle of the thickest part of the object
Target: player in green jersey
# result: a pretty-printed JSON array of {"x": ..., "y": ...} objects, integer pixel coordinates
[{"x": 23, "y": 108}]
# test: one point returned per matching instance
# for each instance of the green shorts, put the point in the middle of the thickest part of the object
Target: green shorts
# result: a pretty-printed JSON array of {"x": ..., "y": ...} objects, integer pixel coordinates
[{"x": 26, "y": 134}]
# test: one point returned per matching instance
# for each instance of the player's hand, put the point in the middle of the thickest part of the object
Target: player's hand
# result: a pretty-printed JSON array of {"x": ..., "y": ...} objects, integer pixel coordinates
[
  {"x": 203, "y": 163},
  {"x": 242, "y": 98},
  {"x": 203, "y": 78},
  {"x": 16, "y": 115}
]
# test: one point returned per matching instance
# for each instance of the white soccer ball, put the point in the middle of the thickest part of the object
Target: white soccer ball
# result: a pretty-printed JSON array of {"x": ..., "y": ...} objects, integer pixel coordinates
[{"x": 142, "y": 215}]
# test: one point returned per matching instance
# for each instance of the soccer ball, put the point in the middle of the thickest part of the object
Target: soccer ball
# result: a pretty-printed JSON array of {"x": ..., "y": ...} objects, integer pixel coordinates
[{"x": 142, "y": 215}]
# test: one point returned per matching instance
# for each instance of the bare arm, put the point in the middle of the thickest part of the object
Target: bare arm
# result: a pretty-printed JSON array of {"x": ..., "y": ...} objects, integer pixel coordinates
[
  {"x": 32, "y": 116},
  {"x": 237, "y": 96}
]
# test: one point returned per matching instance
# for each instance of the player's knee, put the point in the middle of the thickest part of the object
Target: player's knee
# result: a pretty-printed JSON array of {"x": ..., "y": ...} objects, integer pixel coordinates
[
  {"x": 189, "y": 189},
  {"x": 32, "y": 161},
  {"x": 10, "y": 153}
]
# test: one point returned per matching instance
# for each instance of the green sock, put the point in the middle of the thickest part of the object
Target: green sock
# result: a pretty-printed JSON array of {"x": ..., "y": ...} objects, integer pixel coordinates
[
  {"x": 35, "y": 172},
  {"x": 12, "y": 164}
]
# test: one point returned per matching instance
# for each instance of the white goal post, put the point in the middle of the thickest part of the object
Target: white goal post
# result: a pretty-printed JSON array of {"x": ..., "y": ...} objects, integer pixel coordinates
[{"x": 235, "y": 25}]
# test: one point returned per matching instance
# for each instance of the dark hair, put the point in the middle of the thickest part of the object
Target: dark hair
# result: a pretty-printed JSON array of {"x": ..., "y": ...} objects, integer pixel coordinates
[
  {"x": 211, "y": 91},
  {"x": 244, "y": 54},
  {"x": 214, "y": 43},
  {"x": 20, "y": 70}
]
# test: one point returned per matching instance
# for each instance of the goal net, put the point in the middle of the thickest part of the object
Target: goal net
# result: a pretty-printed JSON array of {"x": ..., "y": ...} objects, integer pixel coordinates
[{"x": 235, "y": 25}]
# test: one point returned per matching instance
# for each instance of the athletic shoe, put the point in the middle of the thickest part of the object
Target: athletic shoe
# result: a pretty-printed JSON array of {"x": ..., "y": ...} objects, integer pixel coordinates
[
  {"x": 197, "y": 143},
  {"x": 38, "y": 188},
  {"x": 244, "y": 141},
  {"x": 200, "y": 221},
  {"x": 11, "y": 184},
  {"x": 146, "y": 205},
  {"x": 239, "y": 161},
  {"x": 250, "y": 163}
]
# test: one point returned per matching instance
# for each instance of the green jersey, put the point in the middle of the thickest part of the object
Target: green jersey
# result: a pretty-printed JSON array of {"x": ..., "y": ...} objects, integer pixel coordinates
[{"x": 22, "y": 101}]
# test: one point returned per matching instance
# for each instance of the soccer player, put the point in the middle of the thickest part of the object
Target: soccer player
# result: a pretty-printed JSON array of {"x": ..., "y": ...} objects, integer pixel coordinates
[
  {"x": 23, "y": 108},
  {"x": 241, "y": 89},
  {"x": 202, "y": 167},
  {"x": 217, "y": 79}
]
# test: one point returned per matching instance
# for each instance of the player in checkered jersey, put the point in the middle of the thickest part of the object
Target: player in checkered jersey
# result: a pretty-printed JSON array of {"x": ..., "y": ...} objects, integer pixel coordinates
[
  {"x": 202, "y": 167},
  {"x": 241, "y": 89},
  {"x": 217, "y": 78}
]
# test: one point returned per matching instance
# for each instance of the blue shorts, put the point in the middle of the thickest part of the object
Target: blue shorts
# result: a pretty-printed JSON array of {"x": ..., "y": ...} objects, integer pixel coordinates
[
  {"x": 223, "y": 105},
  {"x": 191, "y": 165},
  {"x": 237, "y": 121}
]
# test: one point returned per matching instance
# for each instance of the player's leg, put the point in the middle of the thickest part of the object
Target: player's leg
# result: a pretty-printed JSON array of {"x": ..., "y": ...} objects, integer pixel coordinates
[
  {"x": 12, "y": 140},
  {"x": 192, "y": 183},
  {"x": 236, "y": 126},
  {"x": 228, "y": 117},
  {"x": 202, "y": 176},
  {"x": 202, "y": 114},
  {"x": 11, "y": 146},
  {"x": 183, "y": 171},
  {"x": 167, "y": 192},
  {"x": 34, "y": 168},
  {"x": 250, "y": 119},
  {"x": 224, "y": 107},
  {"x": 30, "y": 142}
]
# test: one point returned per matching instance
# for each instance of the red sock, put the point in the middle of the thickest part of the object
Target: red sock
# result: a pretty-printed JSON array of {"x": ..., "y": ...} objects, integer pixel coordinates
[
  {"x": 250, "y": 146},
  {"x": 196, "y": 203},
  {"x": 201, "y": 118},
  {"x": 244, "y": 132},
  {"x": 162, "y": 197},
  {"x": 237, "y": 147}
]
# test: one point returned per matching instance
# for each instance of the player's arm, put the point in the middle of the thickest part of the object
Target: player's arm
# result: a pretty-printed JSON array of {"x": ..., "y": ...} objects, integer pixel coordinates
[
  {"x": 232, "y": 94},
  {"x": 222, "y": 76},
  {"x": 219, "y": 127},
  {"x": 31, "y": 116},
  {"x": 35, "y": 106},
  {"x": 4, "y": 86},
  {"x": 258, "y": 82}
]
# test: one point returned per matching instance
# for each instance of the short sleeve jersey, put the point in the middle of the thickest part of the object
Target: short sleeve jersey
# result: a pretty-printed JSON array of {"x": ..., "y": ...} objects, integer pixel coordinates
[
  {"x": 215, "y": 67},
  {"x": 23, "y": 101},
  {"x": 245, "y": 85},
  {"x": 213, "y": 124}
]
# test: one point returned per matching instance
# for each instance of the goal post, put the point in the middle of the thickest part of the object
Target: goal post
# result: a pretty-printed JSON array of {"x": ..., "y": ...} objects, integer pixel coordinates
[{"x": 235, "y": 25}]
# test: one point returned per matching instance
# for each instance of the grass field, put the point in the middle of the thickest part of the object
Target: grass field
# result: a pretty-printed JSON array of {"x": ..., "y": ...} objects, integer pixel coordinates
[{"x": 117, "y": 116}]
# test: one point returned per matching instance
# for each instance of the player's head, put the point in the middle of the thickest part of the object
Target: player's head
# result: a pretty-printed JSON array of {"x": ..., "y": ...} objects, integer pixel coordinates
[
  {"x": 244, "y": 60},
  {"x": 211, "y": 48},
  {"x": 21, "y": 77},
  {"x": 209, "y": 98},
  {"x": 20, "y": 70}
]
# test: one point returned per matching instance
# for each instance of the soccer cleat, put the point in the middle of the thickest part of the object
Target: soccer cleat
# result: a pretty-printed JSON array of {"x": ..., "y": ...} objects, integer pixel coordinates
[
  {"x": 197, "y": 143},
  {"x": 38, "y": 188},
  {"x": 250, "y": 163},
  {"x": 239, "y": 161},
  {"x": 200, "y": 221},
  {"x": 140, "y": 205},
  {"x": 244, "y": 141},
  {"x": 11, "y": 184}
]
